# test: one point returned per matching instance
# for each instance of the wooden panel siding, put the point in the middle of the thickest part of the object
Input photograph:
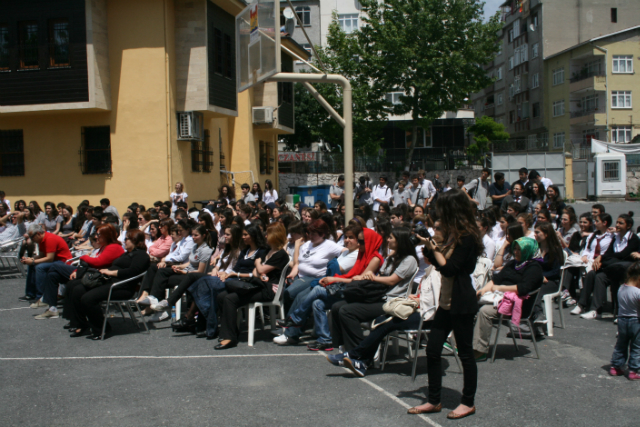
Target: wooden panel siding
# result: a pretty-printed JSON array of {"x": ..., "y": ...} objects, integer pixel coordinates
[{"x": 221, "y": 57}]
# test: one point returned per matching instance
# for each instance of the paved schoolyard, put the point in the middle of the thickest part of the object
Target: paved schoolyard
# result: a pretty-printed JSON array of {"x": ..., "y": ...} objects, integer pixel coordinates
[{"x": 134, "y": 379}]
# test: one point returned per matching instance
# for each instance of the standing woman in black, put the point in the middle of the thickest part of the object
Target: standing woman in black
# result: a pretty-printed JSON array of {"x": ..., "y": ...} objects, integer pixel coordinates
[{"x": 458, "y": 304}]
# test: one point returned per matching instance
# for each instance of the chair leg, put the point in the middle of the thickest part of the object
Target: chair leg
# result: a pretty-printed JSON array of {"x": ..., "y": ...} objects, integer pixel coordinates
[
  {"x": 384, "y": 353},
  {"x": 395, "y": 346},
  {"x": 121, "y": 311},
  {"x": 261, "y": 315},
  {"x": 533, "y": 337},
  {"x": 495, "y": 341},
  {"x": 409, "y": 346},
  {"x": 144, "y": 322},
  {"x": 561, "y": 313},
  {"x": 282, "y": 312},
  {"x": 548, "y": 312},
  {"x": 452, "y": 341},
  {"x": 131, "y": 315},
  {"x": 252, "y": 323},
  {"x": 273, "y": 310},
  {"x": 415, "y": 357},
  {"x": 104, "y": 323},
  {"x": 178, "y": 308}
]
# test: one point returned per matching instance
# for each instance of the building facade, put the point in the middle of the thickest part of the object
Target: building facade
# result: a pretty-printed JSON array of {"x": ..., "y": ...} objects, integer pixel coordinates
[
  {"x": 533, "y": 30},
  {"x": 121, "y": 99}
]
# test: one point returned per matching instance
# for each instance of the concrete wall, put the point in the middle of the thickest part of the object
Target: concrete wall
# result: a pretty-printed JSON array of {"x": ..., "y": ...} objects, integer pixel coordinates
[{"x": 633, "y": 182}]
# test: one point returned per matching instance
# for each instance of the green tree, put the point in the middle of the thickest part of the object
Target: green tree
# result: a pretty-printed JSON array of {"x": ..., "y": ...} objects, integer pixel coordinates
[
  {"x": 485, "y": 131},
  {"x": 430, "y": 50}
]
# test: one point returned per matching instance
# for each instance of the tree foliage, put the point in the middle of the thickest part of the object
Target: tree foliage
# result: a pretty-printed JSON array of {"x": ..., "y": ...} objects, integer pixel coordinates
[{"x": 485, "y": 131}]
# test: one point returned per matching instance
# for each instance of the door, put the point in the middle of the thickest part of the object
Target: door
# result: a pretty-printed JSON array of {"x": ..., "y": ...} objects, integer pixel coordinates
[{"x": 580, "y": 175}]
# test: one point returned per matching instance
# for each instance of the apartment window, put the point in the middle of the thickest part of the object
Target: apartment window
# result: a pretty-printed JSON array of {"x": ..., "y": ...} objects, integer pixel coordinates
[
  {"x": 535, "y": 81},
  {"x": 510, "y": 35},
  {"x": 558, "y": 76},
  {"x": 499, "y": 73},
  {"x": 348, "y": 22},
  {"x": 423, "y": 139},
  {"x": 558, "y": 108},
  {"x": 207, "y": 153},
  {"x": 517, "y": 84},
  {"x": 304, "y": 13},
  {"x": 196, "y": 156},
  {"x": 4, "y": 47},
  {"x": 623, "y": 64},
  {"x": 59, "y": 43},
  {"x": 534, "y": 21},
  {"x": 523, "y": 112},
  {"x": 536, "y": 110},
  {"x": 11, "y": 153},
  {"x": 516, "y": 28},
  {"x": 266, "y": 157},
  {"x": 558, "y": 140},
  {"x": 611, "y": 170},
  {"x": 621, "y": 99},
  {"x": 621, "y": 134},
  {"x": 534, "y": 51},
  {"x": 512, "y": 117},
  {"x": 28, "y": 36},
  {"x": 590, "y": 103},
  {"x": 499, "y": 49},
  {"x": 614, "y": 14},
  {"x": 511, "y": 62},
  {"x": 394, "y": 97},
  {"x": 500, "y": 99},
  {"x": 96, "y": 150},
  {"x": 218, "y": 40}
]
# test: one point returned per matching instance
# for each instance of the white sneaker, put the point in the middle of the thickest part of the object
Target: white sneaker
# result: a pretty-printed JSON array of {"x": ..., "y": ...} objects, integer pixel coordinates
[
  {"x": 150, "y": 300},
  {"x": 159, "y": 317},
  {"x": 48, "y": 315},
  {"x": 161, "y": 306},
  {"x": 590, "y": 315},
  {"x": 576, "y": 310},
  {"x": 38, "y": 304},
  {"x": 285, "y": 340}
]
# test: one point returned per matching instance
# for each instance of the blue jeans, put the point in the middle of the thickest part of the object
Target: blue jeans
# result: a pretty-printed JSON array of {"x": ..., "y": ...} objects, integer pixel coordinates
[
  {"x": 205, "y": 292},
  {"x": 317, "y": 299},
  {"x": 35, "y": 278},
  {"x": 299, "y": 285},
  {"x": 59, "y": 272},
  {"x": 628, "y": 338}
]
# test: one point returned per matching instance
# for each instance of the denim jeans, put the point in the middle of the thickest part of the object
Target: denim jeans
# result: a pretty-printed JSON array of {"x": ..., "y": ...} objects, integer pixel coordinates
[
  {"x": 205, "y": 292},
  {"x": 300, "y": 284},
  {"x": 58, "y": 272},
  {"x": 319, "y": 297},
  {"x": 628, "y": 338},
  {"x": 35, "y": 278}
]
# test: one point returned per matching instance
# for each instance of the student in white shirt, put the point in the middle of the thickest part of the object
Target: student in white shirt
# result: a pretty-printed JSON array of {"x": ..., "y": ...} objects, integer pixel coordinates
[
  {"x": 270, "y": 195},
  {"x": 246, "y": 193},
  {"x": 400, "y": 194},
  {"x": 417, "y": 194},
  {"x": 381, "y": 194},
  {"x": 488, "y": 242},
  {"x": 178, "y": 196}
]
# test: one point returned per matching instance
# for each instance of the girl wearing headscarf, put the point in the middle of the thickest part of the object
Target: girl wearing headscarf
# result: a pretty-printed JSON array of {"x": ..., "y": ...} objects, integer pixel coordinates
[
  {"x": 521, "y": 275},
  {"x": 329, "y": 290}
]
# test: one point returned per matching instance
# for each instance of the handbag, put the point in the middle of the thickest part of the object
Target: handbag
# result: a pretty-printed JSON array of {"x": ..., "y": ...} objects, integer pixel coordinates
[
  {"x": 400, "y": 307},
  {"x": 365, "y": 291},
  {"x": 335, "y": 288},
  {"x": 242, "y": 286},
  {"x": 92, "y": 278}
]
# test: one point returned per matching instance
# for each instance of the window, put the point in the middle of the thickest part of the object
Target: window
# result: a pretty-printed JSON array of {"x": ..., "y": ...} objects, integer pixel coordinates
[
  {"x": 620, "y": 99},
  {"x": 11, "y": 153},
  {"x": 500, "y": 99},
  {"x": 304, "y": 13},
  {"x": 516, "y": 28},
  {"x": 266, "y": 158},
  {"x": 523, "y": 111},
  {"x": 394, "y": 97},
  {"x": 558, "y": 76},
  {"x": 218, "y": 38},
  {"x": 536, "y": 110},
  {"x": 611, "y": 170},
  {"x": 196, "y": 157},
  {"x": 59, "y": 43},
  {"x": 590, "y": 103},
  {"x": 534, "y": 21},
  {"x": 512, "y": 117},
  {"x": 348, "y": 23},
  {"x": 614, "y": 14},
  {"x": 499, "y": 49},
  {"x": 510, "y": 35},
  {"x": 534, "y": 51},
  {"x": 621, "y": 134},
  {"x": 535, "y": 81},
  {"x": 511, "y": 62},
  {"x": 423, "y": 139},
  {"x": 207, "y": 154},
  {"x": 558, "y": 140},
  {"x": 96, "y": 150},
  {"x": 499, "y": 74},
  {"x": 623, "y": 64},
  {"x": 517, "y": 84},
  {"x": 558, "y": 108},
  {"x": 28, "y": 32},
  {"x": 4, "y": 47}
]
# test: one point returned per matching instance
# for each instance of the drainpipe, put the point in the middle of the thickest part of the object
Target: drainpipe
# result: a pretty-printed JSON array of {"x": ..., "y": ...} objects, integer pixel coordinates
[
  {"x": 167, "y": 96},
  {"x": 606, "y": 83}
]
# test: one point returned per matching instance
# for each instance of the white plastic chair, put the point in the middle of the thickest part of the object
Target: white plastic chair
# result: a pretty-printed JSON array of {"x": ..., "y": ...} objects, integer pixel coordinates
[
  {"x": 277, "y": 304},
  {"x": 10, "y": 258},
  {"x": 126, "y": 303},
  {"x": 548, "y": 301}
]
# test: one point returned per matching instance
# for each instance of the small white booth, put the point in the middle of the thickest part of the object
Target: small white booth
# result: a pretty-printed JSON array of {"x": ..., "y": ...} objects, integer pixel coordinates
[{"x": 608, "y": 179}]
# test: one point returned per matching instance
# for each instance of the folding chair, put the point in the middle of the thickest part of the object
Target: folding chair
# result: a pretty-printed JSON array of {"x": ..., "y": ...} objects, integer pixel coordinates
[
  {"x": 527, "y": 320},
  {"x": 125, "y": 303},
  {"x": 548, "y": 301},
  {"x": 10, "y": 259}
]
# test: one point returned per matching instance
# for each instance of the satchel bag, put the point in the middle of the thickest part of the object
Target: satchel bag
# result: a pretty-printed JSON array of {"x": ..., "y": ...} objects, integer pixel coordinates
[
  {"x": 92, "y": 278},
  {"x": 243, "y": 286},
  {"x": 400, "y": 307},
  {"x": 365, "y": 291}
]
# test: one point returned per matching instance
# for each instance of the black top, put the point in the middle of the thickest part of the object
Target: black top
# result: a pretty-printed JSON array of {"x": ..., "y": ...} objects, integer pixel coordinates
[
  {"x": 279, "y": 260},
  {"x": 577, "y": 242},
  {"x": 130, "y": 264},
  {"x": 460, "y": 265},
  {"x": 551, "y": 270},
  {"x": 528, "y": 279},
  {"x": 246, "y": 265},
  {"x": 611, "y": 257}
]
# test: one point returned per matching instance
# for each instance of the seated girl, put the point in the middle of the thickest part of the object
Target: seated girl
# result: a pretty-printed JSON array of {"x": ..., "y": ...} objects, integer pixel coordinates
[{"x": 504, "y": 254}]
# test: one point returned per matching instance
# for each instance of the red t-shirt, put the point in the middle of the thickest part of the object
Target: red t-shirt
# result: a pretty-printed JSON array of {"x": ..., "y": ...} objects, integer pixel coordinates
[{"x": 56, "y": 244}]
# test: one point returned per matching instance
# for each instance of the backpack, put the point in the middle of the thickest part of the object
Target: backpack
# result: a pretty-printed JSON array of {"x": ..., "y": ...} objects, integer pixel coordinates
[{"x": 473, "y": 192}]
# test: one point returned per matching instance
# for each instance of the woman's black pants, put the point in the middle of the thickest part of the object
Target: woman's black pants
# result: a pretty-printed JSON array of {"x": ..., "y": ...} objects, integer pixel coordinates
[
  {"x": 346, "y": 318},
  {"x": 462, "y": 325},
  {"x": 86, "y": 310},
  {"x": 228, "y": 305}
]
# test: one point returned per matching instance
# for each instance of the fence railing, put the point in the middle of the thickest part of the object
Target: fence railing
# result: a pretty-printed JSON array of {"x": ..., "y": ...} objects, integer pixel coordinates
[{"x": 585, "y": 75}]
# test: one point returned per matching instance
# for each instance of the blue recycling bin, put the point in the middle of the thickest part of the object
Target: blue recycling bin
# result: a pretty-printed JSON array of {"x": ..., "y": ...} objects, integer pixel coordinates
[{"x": 310, "y": 194}]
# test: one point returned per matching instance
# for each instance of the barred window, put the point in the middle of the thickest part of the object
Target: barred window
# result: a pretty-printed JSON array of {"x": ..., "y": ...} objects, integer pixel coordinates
[
  {"x": 266, "y": 158},
  {"x": 28, "y": 45},
  {"x": 4, "y": 47},
  {"x": 59, "y": 43},
  {"x": 207, "y": 154},
  {"x": 96, "y": 150},
  {"x": 11, "y": 153},
  {"x": 196, "y": 156}
]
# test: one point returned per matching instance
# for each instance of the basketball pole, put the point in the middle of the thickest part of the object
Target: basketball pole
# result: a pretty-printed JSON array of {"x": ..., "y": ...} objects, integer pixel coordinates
[{"x": 346, "y": 122}]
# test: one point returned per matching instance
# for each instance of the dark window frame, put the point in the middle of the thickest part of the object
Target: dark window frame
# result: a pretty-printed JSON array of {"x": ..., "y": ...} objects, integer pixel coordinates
[
  {"x": 5, "y": 51},
  {"x": 26, "y": 47},
  {"x": 304, "y": 13},
  {"x": 53, "y": 62},
  {"x": 11, "y": 157},
  {"x": 207, "y": 153},
  {"x": 614, "y": 15},
  {"x": 96, "y": 159},
  {"x": 196, "y": 156},
  {"x": 267, "y": 160}
]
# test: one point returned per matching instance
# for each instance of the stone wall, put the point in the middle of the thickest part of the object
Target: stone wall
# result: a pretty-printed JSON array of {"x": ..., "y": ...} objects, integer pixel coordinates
[
  {"x": 633, "y": 181},
  {"x": 288, "y": 180}
]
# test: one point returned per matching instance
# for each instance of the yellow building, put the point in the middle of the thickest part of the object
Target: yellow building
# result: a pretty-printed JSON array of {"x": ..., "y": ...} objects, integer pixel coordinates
[
  {"x": 589, "y": 90},
  {"x": 122, "y": 99}
]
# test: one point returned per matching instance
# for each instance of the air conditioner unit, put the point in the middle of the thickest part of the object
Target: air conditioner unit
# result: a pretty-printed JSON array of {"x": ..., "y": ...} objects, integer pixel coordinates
[
  {"x": 190, "y": 126},
  {"x": 262, "y": 115}
]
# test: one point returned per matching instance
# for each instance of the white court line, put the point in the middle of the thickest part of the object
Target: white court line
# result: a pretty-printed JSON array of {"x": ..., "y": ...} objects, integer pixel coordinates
[
  {"x": 8, "y": 309},
  {"x": 205, "y": 356}
]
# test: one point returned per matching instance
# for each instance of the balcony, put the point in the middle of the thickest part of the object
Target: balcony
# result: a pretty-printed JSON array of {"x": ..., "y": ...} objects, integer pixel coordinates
[
  {"x": 488, "y": 109},
  {"x": 584, "y": 117},
  {"x": 589, "y": 82}
]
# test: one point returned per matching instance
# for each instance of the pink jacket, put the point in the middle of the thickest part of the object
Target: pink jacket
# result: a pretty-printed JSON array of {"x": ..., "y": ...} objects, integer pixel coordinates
[{"x": 511, "y": 305}]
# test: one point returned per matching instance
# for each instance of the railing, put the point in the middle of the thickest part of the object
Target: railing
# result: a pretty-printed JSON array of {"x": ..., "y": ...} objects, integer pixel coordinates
[
  {"x": 582, "y": 113},
  {"x": 582, "y": 75},
  {"x": 538, "y": 144}
]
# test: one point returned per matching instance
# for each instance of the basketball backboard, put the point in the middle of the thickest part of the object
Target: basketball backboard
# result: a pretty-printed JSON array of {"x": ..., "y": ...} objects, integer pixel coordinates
[{"x": 258, "y": 42}]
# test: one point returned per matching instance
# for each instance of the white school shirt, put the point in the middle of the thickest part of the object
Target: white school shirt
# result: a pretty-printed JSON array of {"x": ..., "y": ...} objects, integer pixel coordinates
[
  {"x": 619, "y": 244},
  {"x": 431, "y": 189},
  {"x": 182, "y": 251},
  {"x": 173, "y": 196},
  {"x": 489, "y": 247},
  {"x": 590, "y": 249},
  {"x": 270, "y": 196},
  {"x": 546, "y": 182},
  {"x": 382, "y": 193}
]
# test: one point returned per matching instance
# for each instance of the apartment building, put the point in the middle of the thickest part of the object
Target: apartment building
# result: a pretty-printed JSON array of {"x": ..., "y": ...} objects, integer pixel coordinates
[
  {"x": 533, "y": 30},
  {"x": 590, "y": 90},
  {"x": 122, "y": 99}
]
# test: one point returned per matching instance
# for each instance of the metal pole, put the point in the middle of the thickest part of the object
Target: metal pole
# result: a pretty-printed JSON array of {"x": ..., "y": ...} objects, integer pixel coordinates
[
  {"x": 324, "y": 103},
  {"x": 348, "y": 125}
]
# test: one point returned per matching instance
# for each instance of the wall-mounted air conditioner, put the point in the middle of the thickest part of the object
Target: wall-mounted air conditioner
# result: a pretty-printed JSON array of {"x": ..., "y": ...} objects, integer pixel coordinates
[
  {"x": 190, "y": 126},
  {"x": 262, "y": 115}
]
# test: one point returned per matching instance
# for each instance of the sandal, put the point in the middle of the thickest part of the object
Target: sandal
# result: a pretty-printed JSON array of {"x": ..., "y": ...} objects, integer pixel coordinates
[
  {"x": 453, "y": 416},
  {"x": 433, "y": 410}
]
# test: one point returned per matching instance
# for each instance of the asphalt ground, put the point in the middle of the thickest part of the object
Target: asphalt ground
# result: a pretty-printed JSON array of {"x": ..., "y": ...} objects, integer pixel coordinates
[{"x": 163, "y": 378}]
